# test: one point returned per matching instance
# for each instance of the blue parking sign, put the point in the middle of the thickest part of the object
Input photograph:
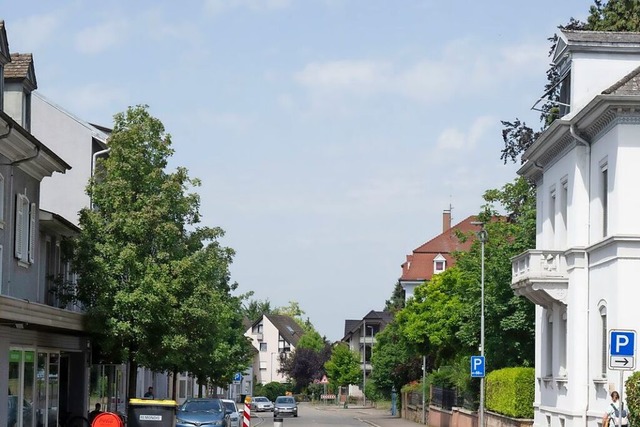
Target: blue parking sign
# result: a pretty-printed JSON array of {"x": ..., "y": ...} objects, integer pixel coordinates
[
  {"x": 477, "y": 366},
  {"x": 237, "y": 377}
]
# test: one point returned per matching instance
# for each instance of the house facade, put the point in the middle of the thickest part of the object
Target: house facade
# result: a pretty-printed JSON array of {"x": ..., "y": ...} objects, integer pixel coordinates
[
  {"x": 360, "y": 336},
  {"x": 274, "y": 336},
  {"x": 582, "y": 273},
  {"x": 436, "y": 255},
  {"x": 43, "y": 349}
]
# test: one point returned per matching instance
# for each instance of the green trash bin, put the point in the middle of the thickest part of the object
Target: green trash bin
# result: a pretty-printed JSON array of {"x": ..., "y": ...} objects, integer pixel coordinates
[{"x": 151, "y": 413}]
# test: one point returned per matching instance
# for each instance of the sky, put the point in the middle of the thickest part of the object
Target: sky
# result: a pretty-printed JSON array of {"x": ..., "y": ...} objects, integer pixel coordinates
[{"x": 329, "y": 135}]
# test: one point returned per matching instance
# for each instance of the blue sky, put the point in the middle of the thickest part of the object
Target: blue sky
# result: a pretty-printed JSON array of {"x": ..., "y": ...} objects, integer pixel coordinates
[{"x": 329, "y": 135}]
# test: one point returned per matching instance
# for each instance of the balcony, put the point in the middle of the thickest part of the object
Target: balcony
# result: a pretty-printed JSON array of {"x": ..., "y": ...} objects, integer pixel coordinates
[{"x": 540, "y": 276}]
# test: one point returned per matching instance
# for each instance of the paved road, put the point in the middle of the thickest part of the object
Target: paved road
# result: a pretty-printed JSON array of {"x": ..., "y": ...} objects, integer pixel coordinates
[{"x": 331, "y": 416}]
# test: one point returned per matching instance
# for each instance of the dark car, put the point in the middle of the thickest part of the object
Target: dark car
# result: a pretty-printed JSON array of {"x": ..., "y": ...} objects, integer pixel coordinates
[
  {"x": 285, "y": 405},
  {"x": 200, "y": 412}
]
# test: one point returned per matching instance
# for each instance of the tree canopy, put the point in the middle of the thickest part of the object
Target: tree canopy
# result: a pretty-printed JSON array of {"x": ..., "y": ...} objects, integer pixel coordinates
[
  {"x": 343, "y": 368},
  {"x": 154, "y": 282}
]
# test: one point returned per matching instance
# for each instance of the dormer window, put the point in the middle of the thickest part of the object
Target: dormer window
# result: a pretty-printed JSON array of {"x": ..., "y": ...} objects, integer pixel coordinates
[{"x": 439, "y": 264}]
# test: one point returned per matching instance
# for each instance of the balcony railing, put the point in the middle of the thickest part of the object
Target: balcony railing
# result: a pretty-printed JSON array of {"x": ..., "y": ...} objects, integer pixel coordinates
[{"x": 540, "y": 276}]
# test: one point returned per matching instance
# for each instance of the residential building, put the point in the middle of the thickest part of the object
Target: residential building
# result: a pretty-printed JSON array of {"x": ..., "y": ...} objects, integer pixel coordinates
[
  {"x": 360, "y": 337},
  {"x": 274, "y": 336},
  {"x": 436, "y": 255},
  {"x": 582, "y": 273},
  {"x": 43, "y": 348}
]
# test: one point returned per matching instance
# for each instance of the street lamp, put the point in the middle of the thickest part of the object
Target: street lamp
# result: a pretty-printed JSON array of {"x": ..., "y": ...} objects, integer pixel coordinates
[{"x": 482, "y": 236}]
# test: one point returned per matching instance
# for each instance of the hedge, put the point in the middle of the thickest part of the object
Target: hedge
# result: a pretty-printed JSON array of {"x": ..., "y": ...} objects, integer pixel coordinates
[{"x": 510, "y": 392}]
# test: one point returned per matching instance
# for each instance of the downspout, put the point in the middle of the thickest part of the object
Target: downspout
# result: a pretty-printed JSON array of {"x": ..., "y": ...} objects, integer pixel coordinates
[
  {"x": 587, "y": 145},
  {"x": 94, "y": 159}
]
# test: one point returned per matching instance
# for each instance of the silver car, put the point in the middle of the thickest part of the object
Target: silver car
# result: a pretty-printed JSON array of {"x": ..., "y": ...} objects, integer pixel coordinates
[
  {"x": 261, "y": 403},
  {"x": 231, "y": 414}
]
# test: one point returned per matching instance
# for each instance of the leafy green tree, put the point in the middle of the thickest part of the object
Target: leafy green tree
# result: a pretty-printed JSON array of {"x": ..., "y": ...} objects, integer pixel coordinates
[
  {"x": 395, "y": 361},
  {"x": 256, "y": 308},
  {"x": 141, "y": 257},
  {"x": 343, "y": 368},
  {"x": 614, "y": 15},
  {"x": 396, "y": 302},
  {"x": 311, "y": 340}
]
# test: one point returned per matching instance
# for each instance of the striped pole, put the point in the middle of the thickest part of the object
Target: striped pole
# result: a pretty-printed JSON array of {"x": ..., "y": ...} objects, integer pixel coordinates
[{"x": 246, "y": 421}]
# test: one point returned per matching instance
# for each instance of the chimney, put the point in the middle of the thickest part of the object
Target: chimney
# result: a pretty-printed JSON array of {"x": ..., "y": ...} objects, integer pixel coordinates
[
  {"x": 19, "y": 82},
  {"x": 446, "y": 220}
]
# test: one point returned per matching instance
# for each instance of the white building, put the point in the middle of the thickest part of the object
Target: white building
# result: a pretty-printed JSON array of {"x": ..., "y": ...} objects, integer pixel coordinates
[{"x": 582, "y": 276}]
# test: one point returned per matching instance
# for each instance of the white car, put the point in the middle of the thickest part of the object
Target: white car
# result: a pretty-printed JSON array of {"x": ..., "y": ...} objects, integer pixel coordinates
[
  {"x": 231, "y": 414},
  {"x": 261, "y": 403}
]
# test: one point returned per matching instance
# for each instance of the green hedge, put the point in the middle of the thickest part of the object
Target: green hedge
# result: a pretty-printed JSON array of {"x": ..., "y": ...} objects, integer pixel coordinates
[
  {"x": 632, "y": 397},
  {"x": 510, "y": 392}
]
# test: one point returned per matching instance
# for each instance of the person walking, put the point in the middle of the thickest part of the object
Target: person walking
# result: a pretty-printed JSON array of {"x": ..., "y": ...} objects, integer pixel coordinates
[{"x": 614, "y": 412}]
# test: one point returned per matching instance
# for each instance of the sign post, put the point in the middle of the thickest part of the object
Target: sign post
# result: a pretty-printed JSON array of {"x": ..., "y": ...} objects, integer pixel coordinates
[
  {"x": 622, "y": 356},
  {"x": 477, "y": 366}
]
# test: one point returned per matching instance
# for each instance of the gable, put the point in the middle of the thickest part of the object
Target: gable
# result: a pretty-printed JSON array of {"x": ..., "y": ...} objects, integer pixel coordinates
[{"x": 21, "y": 70}]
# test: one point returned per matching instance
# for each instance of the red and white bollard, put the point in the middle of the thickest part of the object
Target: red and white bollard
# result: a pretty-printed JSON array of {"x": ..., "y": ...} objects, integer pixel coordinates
[
  {"x": 277, "y": 422},
  {"x": 246, "y": 418}
]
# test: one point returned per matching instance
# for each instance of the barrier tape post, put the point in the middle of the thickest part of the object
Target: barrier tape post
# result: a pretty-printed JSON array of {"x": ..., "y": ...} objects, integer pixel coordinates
[{"x": 246, "y": 418}]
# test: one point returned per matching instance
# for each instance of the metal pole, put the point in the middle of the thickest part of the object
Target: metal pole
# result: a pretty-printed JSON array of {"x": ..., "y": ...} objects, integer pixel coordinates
[
  {"x": 424, "y": 381},
  {"x": 483, "y": 237},
  {"x": 364, "y": 361},
  {"x": 620, "y": 407}
]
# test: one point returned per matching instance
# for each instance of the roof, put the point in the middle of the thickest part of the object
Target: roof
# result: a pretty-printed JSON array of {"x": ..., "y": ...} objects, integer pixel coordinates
[
  {"x": 601, "y": 37},
  {"x": 21, "y": 69},
  {"x": 419, "y": 265},
  {"x": 381, "y": 318},
  {"x": 628, "y": 85},
  {"x": 350, "y": 325},
  {"x": 289, "y": 329}
]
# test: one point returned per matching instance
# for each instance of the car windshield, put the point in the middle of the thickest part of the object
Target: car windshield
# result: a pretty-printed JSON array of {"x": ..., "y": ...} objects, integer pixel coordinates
[
  {"x": 285, "y": 400},
  {"x": 230, "y": 406},
  {"x": 202, "y": 405},
  {"x": 260, "y": 399}
]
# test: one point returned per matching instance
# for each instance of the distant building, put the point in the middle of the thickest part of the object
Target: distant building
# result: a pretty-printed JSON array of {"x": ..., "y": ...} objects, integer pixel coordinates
[
  {"x": 273, "y": 336},
  {"x": 435, "y": 256},
  {"x": 360, "y": 336}
]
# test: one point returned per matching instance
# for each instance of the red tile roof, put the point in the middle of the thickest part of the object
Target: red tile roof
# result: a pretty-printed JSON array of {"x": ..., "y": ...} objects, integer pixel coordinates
[
  {"x": 419, "y": 265},
  {"x": 21, "y": 69}
]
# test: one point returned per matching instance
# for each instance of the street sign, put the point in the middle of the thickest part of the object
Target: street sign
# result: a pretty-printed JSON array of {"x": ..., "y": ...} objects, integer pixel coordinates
[
  {"x": 324, "y": 380},
  {"x": 477, "y": 366},
  {"x": 622, "y": 349},
  {"x": 237, "y": 378}
]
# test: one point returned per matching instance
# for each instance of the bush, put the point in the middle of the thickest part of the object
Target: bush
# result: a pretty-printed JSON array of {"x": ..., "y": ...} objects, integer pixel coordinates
[
  {"x": 271, "y": 390},
  {"x": 632, "y": 397},
  {"x": 510, "y": 392}
]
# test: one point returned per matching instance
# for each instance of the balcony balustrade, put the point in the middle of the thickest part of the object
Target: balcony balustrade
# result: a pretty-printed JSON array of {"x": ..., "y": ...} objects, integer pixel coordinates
[{"x": 540, "y": 276}]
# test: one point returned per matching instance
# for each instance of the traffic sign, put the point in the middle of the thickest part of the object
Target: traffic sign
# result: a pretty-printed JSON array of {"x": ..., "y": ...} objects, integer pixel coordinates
[
  {"x": 477, "y": 366},
  {"x": 237, "y": 378},
  {"x": 324, "y": 380},
  {"x": 622, "y": 349}
]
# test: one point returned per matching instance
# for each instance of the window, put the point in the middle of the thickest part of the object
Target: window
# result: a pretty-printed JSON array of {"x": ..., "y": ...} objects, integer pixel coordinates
[
  {"x": 563, "y": 344},
  {"x": 26, "y": 111},
  {"x": 564, "y": 97},
  {"x": 263, "y": 365},
  {"x": 263, "y": 346},
  {"x": 257, "y": 329},
  {"x": 604, "y": 198},
  {"x": 439, "y": 264},
  {"x": 603, "y": 340},
  {"x": 283, "y": 345},
  {"x": 1, "y": 201},
  {"x": 25, "y": 232},
  {"x": 548, "y": 369},
  {"x": 564, "y": 202},
  {"x": 552, "y": 216}
]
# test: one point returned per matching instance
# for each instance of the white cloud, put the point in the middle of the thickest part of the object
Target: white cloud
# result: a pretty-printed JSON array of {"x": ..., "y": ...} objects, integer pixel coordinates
[
  {"x": 99, "y": 38},
  {"x": 219, "y": 6},
  {"x": 465, "y": 67},
  {"x": 32, "y": 32},
  {"x": 453, "y": 139}
]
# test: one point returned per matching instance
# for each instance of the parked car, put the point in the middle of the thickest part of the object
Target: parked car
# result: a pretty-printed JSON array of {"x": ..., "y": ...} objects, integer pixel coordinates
[
  {"x": 285, "y": 405},
  {"x": 261, "y": 403},
  {"x": 200, "y": 411},
  {"x": 231, "y": 414}
]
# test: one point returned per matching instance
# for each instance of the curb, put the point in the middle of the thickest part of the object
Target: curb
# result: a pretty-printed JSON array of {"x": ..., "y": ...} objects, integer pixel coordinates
[{"x": 371, "y": 423}]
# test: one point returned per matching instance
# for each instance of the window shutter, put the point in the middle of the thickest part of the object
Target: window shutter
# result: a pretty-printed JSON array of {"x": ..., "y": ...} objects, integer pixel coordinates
[
  {"x": 32, "y": 233},
  {"x": 18, "y": 229}
]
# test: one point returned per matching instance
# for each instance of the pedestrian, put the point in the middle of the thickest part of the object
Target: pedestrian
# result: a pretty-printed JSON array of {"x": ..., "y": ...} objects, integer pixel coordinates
[
  {"x": 149, "y": 394},
  {"x": 614, "y": 411},
  {"x": 93, "y": 414}
]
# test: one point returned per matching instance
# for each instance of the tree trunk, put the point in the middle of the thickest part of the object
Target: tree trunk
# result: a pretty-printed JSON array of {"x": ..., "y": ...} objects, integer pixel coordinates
[
  {"x": 174, "y": 392},
  {"x": 133, "y": 378}
]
